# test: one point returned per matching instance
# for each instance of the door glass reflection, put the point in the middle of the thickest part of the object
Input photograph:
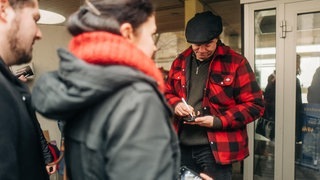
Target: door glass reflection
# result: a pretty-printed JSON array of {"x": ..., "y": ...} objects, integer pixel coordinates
[
  {"x": 307, "y": 150},
  {"x": 265, "y": 60}
]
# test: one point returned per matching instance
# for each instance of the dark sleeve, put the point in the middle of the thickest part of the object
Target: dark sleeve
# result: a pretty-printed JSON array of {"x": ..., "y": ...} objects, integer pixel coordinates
[
  {"x": 9, "y": 166},
  {"x": 313, "y": 94},
  {"x": 270, "y": 97},
  {"x": 44, "y": 146}
]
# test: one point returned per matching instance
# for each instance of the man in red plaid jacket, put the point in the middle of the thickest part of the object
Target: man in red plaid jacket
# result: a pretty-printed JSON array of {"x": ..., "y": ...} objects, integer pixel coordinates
[{"x": 221, "y": 97}]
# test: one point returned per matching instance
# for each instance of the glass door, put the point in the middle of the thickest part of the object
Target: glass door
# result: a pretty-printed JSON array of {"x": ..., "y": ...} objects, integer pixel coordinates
[
  {"x": 306, "y": 40},
  {"x": 282, "y": 43}
]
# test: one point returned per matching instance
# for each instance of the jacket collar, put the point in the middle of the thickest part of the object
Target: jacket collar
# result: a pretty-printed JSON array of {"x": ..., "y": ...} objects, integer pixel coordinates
[{"x": 103, "y": 48}]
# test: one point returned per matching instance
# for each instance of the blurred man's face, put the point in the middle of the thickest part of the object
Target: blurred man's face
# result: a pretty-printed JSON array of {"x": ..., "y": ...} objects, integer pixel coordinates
[
  {"x": 23, "y": 33},
  {"x": 204, "y": 51}
]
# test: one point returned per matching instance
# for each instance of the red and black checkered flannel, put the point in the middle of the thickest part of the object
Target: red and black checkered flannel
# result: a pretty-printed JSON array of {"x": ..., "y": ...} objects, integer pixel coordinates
[{"x": 231, "y": 92}]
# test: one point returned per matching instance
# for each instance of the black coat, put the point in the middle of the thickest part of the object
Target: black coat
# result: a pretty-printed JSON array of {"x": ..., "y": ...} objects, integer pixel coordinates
[{"x": 21, "y": 155}]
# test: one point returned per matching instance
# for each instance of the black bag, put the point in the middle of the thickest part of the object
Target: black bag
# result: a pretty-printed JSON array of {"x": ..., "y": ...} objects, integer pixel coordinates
[{"x": 265, "y": 128}]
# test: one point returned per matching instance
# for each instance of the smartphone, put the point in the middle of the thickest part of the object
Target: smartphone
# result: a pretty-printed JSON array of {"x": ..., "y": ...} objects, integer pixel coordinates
[
  {"x": 202, "y": 112},
  {"x": 25, "y": 71},
  {"x": 188, "y": 174},
  {"x": 189, "y": 118}
]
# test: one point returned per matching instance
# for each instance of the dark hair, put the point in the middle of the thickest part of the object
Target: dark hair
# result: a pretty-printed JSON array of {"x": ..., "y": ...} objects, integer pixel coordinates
[
  {"x": 21, "y": 3},
  {"x": 108, "y": 15}
]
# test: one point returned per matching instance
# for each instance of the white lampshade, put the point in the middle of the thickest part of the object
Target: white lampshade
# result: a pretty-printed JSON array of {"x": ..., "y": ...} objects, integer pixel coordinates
[{"x": 48, "y": 17}]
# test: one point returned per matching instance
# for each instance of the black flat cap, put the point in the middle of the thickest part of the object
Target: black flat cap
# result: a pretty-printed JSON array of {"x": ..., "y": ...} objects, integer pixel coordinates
[{"x": 203, "y": 27}]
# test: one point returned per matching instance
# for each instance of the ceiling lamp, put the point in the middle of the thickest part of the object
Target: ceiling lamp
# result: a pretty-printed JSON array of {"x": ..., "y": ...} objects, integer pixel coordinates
[{"x": 48, "y": 17}]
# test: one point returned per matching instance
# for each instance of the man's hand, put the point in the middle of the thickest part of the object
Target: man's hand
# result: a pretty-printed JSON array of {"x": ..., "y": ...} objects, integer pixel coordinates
[
  {"x": 205, "y": 121},
  {"x": 182, "y": 110}
]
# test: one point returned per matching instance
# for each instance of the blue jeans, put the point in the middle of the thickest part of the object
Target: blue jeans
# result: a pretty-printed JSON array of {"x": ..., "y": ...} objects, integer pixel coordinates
[{"x": 200, "y": 159}]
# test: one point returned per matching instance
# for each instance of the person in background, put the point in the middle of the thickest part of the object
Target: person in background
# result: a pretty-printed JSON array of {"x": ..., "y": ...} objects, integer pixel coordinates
[
  {"x": 21, "y": 152},
  {"x": 299, "y": 107},
  {"x": 270, "y": 104},
  {"x": 221, "y": 97},
  {"x": 313, "y": 95},
  {"x": 109, "y": 92},
  {"x": 270, "y": 99}
]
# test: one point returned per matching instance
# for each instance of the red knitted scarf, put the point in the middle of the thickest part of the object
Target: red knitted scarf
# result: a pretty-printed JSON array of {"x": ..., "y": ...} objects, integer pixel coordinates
[{"x": 104, "y": 48}]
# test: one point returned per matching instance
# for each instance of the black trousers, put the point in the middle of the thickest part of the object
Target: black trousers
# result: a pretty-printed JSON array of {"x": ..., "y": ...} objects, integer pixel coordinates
[{"x": 200, "y": 159}]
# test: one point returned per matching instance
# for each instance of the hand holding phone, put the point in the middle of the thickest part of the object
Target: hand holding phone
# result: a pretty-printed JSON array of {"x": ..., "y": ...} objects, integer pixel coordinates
[{"x": 189, "y": 118}]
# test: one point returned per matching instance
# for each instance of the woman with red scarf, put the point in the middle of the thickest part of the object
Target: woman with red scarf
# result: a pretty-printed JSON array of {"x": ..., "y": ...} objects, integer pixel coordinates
[{"x": 108, "y": 90}]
